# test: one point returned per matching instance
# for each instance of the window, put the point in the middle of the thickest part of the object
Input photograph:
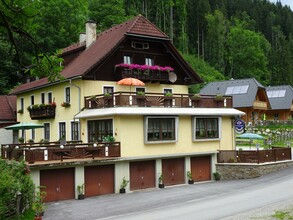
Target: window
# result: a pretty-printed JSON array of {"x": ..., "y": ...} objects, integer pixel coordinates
[
  {"x": 98, "y": 129},
  {"x": 149, "y": 61},
  {"x": 233, "y": 90},
  {"x": 140, "y": 89},
  {"x": 127, "y": 59},
  {"x": 47, "y": 131},
  {"x": 32, "y": 100},
  {"x": 50, "y": 97},
  {"x": 108, "y": 89},
  {"x": 139, "y": 45},
  {"x": 67, "y": 94},
  {"x": 43, "y": 98},
  {"x": 62, "y": 130},
  {"x": 167, "y": 91},
  {"x": 33, "y": 134},
  {"x": 21, "y": 103},
  {"x": 206, "y": 128},
  {"x": 74, "y": 130},
  {"x": 161, "y": 129}
]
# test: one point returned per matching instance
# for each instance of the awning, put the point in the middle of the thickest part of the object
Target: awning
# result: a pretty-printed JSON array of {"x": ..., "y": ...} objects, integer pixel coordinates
[{"x": 90, "y": 113}]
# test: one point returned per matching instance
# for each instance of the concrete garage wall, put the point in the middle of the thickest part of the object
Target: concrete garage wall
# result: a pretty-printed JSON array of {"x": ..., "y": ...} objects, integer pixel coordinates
[{"x": 231, "y": 171}]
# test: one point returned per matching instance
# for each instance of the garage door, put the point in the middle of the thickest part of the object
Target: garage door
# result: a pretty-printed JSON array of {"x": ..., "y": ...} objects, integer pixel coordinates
[
  {"x": 201, "y": 168},
  {"x": 99, "y": 180},
  {"x": 59, "y": 184},
  {"x": 173, "y": 171},
  {"x": 142, "y": 175}
]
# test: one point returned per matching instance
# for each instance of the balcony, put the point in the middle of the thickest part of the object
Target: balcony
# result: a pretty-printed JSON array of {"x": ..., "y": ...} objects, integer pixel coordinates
[
  {"x": 260, "y": 105},
  {"x": 52, "y": 152},
  {"x": 144, "y": 72},
  {"x": 38, "y": 112},
  {"x": 131, "y": 99}
]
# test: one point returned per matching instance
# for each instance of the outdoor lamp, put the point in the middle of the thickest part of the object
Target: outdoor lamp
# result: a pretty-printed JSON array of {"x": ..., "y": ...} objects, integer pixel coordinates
[{"x": 61, "y": 146}]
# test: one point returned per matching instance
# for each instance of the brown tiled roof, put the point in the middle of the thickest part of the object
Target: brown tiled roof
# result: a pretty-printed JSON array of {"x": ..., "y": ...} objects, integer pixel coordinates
[
  {"x": 105, "y": 43},
  {"x": 8, "y": 108}
]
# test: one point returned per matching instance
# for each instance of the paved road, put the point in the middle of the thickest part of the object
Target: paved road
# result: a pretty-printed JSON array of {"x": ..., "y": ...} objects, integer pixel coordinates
[{"x": 237, "y": 199}]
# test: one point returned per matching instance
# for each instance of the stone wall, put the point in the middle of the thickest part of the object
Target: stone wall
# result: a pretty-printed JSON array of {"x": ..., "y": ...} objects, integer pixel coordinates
[{"x": 231, "y": 171}]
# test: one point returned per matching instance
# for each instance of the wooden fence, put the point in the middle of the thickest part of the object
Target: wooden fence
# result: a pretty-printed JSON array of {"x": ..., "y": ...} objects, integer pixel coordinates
[{"x": 255, "y": 156}]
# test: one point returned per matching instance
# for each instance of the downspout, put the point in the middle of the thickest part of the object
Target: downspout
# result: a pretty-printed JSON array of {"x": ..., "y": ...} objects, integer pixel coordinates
[{"x": 79, "y": 94}]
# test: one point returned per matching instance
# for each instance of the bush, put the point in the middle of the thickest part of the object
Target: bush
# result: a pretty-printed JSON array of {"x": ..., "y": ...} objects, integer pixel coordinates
[{"x": 14, "y": 179}]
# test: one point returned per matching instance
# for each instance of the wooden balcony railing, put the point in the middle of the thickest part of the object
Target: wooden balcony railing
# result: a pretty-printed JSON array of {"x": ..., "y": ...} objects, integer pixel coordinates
[
  {"x": 260, "y": 105},
  {"x": 254, "y": 156},
  {"x": 127, "y": 99},
  {"x": 52, "y": 152},
  {"x": 44, "y": 112}
]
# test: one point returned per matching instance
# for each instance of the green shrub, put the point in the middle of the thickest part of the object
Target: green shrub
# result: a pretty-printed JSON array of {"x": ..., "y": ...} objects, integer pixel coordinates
[{"x": 14, "y": 179}]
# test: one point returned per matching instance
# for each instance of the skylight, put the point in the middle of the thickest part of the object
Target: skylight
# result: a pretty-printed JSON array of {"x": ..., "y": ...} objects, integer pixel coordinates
[
  {"x": 233, "y": 90},
  {"x": 276, "y": 93}
]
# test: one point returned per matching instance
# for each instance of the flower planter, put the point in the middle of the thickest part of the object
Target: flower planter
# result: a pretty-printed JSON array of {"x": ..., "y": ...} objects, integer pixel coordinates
[
  {"x": 190, "y": 182},
  {"x": 161, "y": 185},
  {"x": 122, "y": 190},
  {"x": 80, "y": 197}
]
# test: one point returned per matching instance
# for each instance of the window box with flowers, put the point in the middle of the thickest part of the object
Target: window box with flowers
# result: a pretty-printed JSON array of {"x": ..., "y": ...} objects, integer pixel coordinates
[
  {"x": 158, "y": 73},
  {"x": 20, "y": 111},
  {"x": 65, "y": 104},
  {"x": 42, "y": 111}
]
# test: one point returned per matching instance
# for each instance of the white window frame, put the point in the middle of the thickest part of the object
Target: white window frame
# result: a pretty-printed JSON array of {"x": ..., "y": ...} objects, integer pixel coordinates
[
  {"x": 78, "y": 127},
  {"x": 206, "y": 139},
  {"x": 49, "y": 131},
  {"x": 21, "y": 100},
  {"x": 149, "y": 61},
  {"x": 43, "y": 95},
  {"x": 58, "y": 134},
  {"x": 160, "y": 141},
  {"x": 127, "y": 59},
  {"x": 51, "y": 97},
  {"x": 32, "y": 98}
]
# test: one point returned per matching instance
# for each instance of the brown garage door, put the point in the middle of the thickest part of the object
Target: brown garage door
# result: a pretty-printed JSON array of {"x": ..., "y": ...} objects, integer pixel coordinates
[
  {"x": 173, "y": 171},
  {"x": 99, "y": 180},
  {"x": 142, "y": 175},
  {"x": 201, "y": 168},
  {"x": 59, "y": 184}
]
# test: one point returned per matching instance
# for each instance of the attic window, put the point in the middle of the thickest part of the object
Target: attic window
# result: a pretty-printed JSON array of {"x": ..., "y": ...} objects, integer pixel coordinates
[
  {"x": 233, "y": 90},
  {"x": 276, "y": 93},
  {"x": 139, "y": 45}
]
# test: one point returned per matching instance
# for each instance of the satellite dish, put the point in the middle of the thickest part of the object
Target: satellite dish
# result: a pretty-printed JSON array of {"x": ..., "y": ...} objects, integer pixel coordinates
[{"x": 172, "y": 77}]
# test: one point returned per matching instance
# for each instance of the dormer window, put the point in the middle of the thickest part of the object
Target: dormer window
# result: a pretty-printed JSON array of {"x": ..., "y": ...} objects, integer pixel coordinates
[
  {"x": 139, "y": 45},
  {"x": 127, "y": 59}
]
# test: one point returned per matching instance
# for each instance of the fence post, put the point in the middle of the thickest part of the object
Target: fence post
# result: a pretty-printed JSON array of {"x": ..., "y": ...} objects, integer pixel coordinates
[
  {"x": 18, "y": 197},
  {"x": 257, "y": 155}
]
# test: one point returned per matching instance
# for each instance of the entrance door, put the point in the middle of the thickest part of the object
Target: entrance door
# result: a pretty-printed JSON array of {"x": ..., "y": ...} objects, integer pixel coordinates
[
  {"x": 173, "y": 171},
  {"x": 99, "y": 180},
  {"x": 58, "y": 183},
  {"x": 201, "y": 168},
  {"x": 142, "y": 175}
]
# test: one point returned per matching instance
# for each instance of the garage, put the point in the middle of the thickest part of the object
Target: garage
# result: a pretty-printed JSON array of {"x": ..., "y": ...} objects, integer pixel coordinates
[
  {"x": 99, "y": 180},
  {"x": 58, "y": 183},
  {"x": 201, "y": 168},
  {"x": 142, "y": 175},
  {"x": 173, "y": 171}
]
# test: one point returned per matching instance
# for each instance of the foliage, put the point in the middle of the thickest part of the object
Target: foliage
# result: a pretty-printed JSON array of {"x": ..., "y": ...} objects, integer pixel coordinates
[
  {"x": 48, "y": 66},
  {"x": 65, "y": 104},
  {"x": 189, "y": 175},
  {"x": 108, "y": 138},
  {"x": 80, "y": 189},
  {"x": 14, "y": 179},
  {"x": 282, "y": 215},
  {"x": 38, "y": 203},
  {"x": 124, "y": 183},
  {"x": 161, "y": 179},
  {"x": 168, "y": 94},
  {"x": 217, "y": 176}
]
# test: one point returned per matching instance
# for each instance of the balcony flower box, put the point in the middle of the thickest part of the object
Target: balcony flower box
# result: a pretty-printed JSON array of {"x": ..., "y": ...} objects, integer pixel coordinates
[
  {"x": 65, "y": 104},
  {"x": 42, "y": 111}
]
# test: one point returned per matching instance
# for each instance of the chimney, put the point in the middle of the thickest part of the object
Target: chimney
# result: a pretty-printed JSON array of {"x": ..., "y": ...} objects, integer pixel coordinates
[
  {"x": 91, "y": 33},
  {"x": 82, "y": 37}
]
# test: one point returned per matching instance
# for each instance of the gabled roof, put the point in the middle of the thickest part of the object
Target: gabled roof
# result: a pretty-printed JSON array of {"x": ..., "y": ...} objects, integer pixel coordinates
[
  {"x": 7, "y": 108},
  {"x": 105, "y": 43},
  {"x": 281, "y": 102},
  {"x": 239, "y": 100}
]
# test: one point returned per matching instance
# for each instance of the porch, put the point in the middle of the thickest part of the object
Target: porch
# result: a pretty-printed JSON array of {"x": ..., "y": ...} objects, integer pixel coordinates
[{"x": 132, "y": 99}]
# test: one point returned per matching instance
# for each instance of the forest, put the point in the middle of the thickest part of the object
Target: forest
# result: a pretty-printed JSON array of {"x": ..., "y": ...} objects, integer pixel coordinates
[{"x": 220, "y": 39}]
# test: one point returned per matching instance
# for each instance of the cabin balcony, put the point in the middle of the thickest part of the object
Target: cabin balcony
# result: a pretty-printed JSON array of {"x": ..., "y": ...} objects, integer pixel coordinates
[
  {"x": 260, "y": 105},
  {"x": 47, "y": 153},
  {"x": 38, "y": 112},
  {"x": 144, "y": 72},
  {"x": 132, "y": 99}
]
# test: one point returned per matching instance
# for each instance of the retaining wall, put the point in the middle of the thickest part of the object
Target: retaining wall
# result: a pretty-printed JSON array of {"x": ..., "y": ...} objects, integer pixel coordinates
[{"x": 232, "y": 171}]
